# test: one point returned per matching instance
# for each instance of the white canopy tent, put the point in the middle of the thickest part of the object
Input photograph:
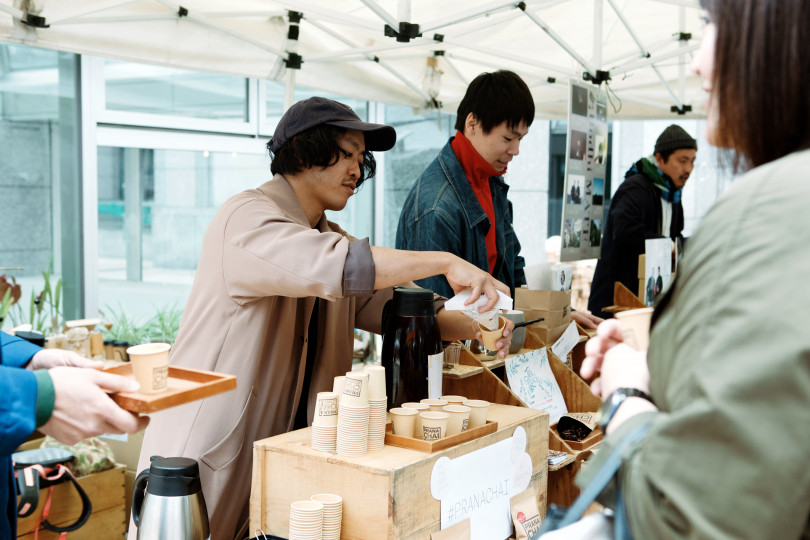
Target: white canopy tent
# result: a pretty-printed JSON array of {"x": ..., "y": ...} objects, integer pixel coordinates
[{"x": 420, "y": 53}]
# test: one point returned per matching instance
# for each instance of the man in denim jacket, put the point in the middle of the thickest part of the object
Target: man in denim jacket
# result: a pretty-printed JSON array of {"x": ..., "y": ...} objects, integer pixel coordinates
[{"x": 459, "y": 202}]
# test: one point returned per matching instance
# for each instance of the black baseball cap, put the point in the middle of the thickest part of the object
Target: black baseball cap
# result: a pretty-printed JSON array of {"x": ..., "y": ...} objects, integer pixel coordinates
[{"x": 315, "y": 111}]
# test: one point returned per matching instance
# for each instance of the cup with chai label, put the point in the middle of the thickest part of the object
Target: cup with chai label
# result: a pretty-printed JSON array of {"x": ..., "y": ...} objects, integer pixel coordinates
[
  {"x": 434, "y": 425},
  {"x": 150, "y": 365}
]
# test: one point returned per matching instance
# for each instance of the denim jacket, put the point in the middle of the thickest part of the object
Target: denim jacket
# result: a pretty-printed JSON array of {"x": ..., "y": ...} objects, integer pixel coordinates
[{"x": 442, "y": 213}]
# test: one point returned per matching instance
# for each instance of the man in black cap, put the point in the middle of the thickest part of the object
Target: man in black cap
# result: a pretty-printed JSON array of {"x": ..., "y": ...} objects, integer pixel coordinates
[
  {"x": 646, "y": 205},
  {"x": 277, "y": 295}
]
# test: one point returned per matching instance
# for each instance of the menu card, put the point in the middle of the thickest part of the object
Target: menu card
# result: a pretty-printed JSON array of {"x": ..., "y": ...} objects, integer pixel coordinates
[{"x": 531, "y": 378}]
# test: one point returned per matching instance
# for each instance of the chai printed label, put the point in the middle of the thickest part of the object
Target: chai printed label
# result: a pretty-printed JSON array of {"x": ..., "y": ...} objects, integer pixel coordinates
[
  {"x": 327, "y": 407},
  {"x": 431, "y": 433},
  {"x": 160, "y": 377},
  {"x": 531, "y": 526},
  {"x": 352, "y": 387},
  {"x": 464, "y": 424}
]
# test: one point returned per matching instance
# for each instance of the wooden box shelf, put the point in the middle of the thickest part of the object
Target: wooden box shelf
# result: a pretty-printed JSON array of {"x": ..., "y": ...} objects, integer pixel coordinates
[{"x": 386, "y": 493}]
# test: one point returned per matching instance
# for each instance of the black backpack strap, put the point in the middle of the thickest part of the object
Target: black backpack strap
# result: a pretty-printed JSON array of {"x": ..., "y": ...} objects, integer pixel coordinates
[{"x": 87, "y": 506}]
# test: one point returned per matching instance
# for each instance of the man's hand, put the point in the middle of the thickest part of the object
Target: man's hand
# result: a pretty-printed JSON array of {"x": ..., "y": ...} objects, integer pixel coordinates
[
  {"x": 82, "y": 407},
  {"x": 463, "y": 275},
  {"x": 585, "y": 319},
  {"x": 51, "y": 358},
  {"x": 504, "y": 342},
  {"x": 616, "y": 364}
]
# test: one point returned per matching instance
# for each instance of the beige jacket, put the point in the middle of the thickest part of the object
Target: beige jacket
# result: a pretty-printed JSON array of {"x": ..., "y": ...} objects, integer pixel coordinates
[{"x": 260, "y": 269}]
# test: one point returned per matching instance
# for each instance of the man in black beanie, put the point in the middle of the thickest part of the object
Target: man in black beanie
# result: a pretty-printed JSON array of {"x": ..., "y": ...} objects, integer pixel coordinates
[{"x": 646, "y": 205}]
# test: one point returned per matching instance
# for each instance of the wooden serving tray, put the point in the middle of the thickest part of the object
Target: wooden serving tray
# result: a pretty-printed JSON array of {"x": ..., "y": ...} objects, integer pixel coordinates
[
  {"x": 441, "y": 444},
  {"x": 185, "y": 385}
]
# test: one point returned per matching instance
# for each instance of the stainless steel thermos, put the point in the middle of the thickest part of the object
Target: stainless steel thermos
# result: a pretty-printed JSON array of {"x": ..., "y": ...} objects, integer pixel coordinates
[{"x": 167, "y": 501}]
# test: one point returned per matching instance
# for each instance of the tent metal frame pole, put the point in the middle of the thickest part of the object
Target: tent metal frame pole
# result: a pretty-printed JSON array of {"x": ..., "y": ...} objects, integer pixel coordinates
[
  {"x": 67, "y": 14},
  {"x": 204, "y": 21},
  {"x": 642, "y": 99},
  {"x": 634, "y": 56},
  {"x": 464, "y": 16},
  {"x": 455, "y": 69},
  {"x": 512, "y": 57},
  {"x": 621, "y": 70},
  {"x": 598, "y": 24},
  {"x": 14, "y": 12},
  {"x": 475, "y": 61},
  {"x": 667, "y": 86},
  {"x": 629, "y": 29},
  {"x": 381, "y": 63},
  {"x": 386, "y": 17},
  {"x": 682, "y": 63},
  {"x": 311, "y": 10},
  {"x": 404, "y": 10},
  {"x": 387, "y": 46},
  {"x": 683, "y": 3},
  {"x": 560, "y": 41}
]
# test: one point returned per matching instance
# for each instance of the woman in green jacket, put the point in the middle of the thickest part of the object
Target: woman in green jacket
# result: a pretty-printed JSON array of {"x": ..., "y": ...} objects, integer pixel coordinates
[{"x": 727, "y": 372}]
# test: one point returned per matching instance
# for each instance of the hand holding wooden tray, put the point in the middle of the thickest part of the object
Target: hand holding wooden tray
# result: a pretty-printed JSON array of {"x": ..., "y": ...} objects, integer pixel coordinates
[{"x": 185, "y": 385}]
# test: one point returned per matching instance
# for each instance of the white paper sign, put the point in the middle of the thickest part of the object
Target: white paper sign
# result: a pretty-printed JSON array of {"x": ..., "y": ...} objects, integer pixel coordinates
[
  {"x": 567, "y": 342},
  {"x": 531, "y": 378},
  {"x": 479, "y": 485}
]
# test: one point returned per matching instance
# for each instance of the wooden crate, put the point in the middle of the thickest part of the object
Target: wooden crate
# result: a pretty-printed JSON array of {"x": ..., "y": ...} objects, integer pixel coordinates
[
  {"x": 106, "y": 493},
  {"x": 386, "y": 493}
]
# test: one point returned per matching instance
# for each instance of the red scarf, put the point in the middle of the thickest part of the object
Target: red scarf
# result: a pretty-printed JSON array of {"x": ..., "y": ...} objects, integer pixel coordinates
[{"x": 478, "y": 172}]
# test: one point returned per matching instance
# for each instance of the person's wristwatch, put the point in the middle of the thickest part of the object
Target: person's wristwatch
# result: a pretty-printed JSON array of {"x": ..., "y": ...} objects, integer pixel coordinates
[{"x": 612, "y": 402}]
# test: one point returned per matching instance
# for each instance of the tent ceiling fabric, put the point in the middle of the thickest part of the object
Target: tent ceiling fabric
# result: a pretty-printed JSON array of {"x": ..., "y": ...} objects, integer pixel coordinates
[{"x": 344, "y": 49}]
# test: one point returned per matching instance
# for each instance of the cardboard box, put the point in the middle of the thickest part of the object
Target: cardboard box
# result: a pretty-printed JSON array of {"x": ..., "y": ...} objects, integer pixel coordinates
[
  {"x": 550, "y": 335},
  {"x": 386, "y": 493},
  {"x": 528, "y": 299},
  {"x": 108, "y": 520},
  {"x": 552, "y": 318}
]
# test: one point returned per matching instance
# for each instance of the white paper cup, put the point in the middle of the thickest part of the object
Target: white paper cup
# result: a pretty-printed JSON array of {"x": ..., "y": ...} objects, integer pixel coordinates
[
  {"x": 635, "y": 325},
  {"x": 454, "y": 400},
  {"x": 434, "y": 404},
  {"x": 326, "y": 410},
  {"x": 404, "y": 421},
  {"x": 491, "y": 337},
  {"x": 478, "y": 414},
  {"x": 376, "y": 382},
  {"x": 355, "y": 390},
  {"x": 150, "y": 365},
  {"x": 434, "y": 425},
  {"x": 459, "y": 418},
  {"x": 419, "y": 407}
]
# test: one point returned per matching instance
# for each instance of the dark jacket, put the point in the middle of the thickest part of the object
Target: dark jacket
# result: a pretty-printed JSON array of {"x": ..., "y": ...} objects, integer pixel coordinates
[
  {"x": 634, "y": 216},
  {"x": 442, "y": 213},
  {"x": 18, "y": 388}
]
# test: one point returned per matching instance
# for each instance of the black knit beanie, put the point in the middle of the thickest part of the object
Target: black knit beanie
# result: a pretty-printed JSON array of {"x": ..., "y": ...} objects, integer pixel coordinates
[{"x": 674, "y": 138}]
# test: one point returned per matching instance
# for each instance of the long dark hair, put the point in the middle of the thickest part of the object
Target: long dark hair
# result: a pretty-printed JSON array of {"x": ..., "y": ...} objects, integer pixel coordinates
[
  {"x": 761, "y": 77},
  {"x": 316, "y": 147}
]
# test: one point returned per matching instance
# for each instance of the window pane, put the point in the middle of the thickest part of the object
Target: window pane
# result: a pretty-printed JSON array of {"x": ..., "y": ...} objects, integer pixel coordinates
[
  {"x": 154, "y": 207},
  {"x": 274, "y": 100},
  {"x": 144, "y": 88},
  {"x": 39, "y": 180},
  {"x": 419, "y": 139}
]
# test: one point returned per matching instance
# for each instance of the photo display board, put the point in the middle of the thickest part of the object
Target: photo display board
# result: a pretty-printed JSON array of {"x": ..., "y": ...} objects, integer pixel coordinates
[{"x": 585, "y": 168}]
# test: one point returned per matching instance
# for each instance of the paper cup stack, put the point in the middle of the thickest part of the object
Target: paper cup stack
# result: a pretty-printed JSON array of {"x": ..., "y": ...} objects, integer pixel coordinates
[
  {"x": 377, "y": 402},
  {"x": 352, "y": 428},
  {"x": 332, "y": 514},
  {"x": 306, "y": 520},
  {"x": 325, "y": 422}
]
